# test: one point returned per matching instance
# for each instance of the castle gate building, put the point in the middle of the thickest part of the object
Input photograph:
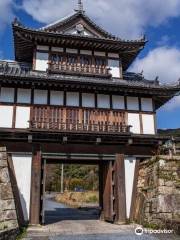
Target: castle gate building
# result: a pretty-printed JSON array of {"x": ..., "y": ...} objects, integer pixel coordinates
[{"x": 68, "y": 97}]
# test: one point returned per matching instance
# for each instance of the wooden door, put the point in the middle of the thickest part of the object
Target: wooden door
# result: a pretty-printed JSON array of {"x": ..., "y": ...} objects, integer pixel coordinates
[
  {"x": 114, "y": 197},
  {"x": 108, "y": 211}
]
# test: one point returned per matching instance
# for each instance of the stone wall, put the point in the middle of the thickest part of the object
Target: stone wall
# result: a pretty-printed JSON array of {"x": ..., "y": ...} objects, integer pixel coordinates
[
  {"x": 8, "y": 216},
  {"x": 158, "y": 193}
]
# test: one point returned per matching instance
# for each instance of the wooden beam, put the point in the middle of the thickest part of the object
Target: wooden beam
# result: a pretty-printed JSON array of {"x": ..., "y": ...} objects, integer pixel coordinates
[
  {"x": 119, "y": 190},
  {"x": 35, "y": 204},
  {"x": 134, "y": 192},
  {"x": 108, "y": 213}
]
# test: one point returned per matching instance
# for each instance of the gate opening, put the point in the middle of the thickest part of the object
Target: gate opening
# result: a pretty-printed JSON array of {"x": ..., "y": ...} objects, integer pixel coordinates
[{"x": 70, "y": 192}]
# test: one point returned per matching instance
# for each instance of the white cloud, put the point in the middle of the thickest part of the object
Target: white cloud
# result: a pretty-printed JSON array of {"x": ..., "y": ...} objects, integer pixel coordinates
[
  {"x": 163, "y": 62},
  {"x": 127, "y": 18},
  {"x": 6, "y": 12}
]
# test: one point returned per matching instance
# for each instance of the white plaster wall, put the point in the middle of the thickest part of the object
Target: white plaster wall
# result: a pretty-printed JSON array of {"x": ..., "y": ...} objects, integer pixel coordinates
[
  {"x": 129, "y": 179},
  {"x": 86, "y": 52},
  {"x": 72, "y": 99},
  {"x": 118, "y": 102},
  {"x": 42, "y": 47},
  {"x": 113, "y": 55},
  {"x": 22, "y": 117},
  {"x": 71, "y": 50},
  {"x": 41, "y": 61},
  {"x": 56, "y": 98},
  {"x": 103, "y": 101},
  {"x": 115, "y": 67},
  {"x": 88, "y": 100},
  {"x": 147, "y": 104},
  {"x": 134, "y": 121},
  {"x": 6, "y": 115},
  {"x": 40, "y": 96},
  {"x": 24, "y": 95},
  {"x": 7, "y": 94},
  {"x": 132, "y": 103},
  {"x": 148, "y": 124},
  {"x": 101, "y": 54},
  {"x": 57, "y": 49},
  {"x": 22, "y": 167}
]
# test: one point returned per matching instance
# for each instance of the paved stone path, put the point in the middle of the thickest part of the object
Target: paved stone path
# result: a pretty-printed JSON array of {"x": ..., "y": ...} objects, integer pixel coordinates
[{"x": 73, "y": 224}]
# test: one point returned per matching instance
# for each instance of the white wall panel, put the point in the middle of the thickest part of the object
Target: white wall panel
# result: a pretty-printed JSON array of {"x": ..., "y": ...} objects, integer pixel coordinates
[
  {"x": 88, "y": 100},
  {"x": 43, "y": 48},
  {"x": 40, "y": 96},
  {"x": 115, "y": 67},
  {"x": 148, "y": 124},
  {"x": 24, "y": 95},
  {"x": 41, "y": 61},
  {"x": 6, "y": 116},
  {"x": 22, "y": 117},
  {"x": 147, "y": 104},
  {"x": 57, "y": 49},
  {"x": 134, "y": 121},
  {"x": 132, "y": 103},
  {"x": 129, "y": 180},
  {"x": 7, "y": 95},
  {"x": 72, "y": 99},
  {"x": 103, "y": 101},
  {"x": 101, "y": 54},
  {"x": 113, "y": 55},
  {"x": 22, "y": 168},
  {"x": 86, "y": 52},
  {"x": 56, "y": 98},
  {"x": 70, "y": 50},
  {"x": 118, "y": 102}
]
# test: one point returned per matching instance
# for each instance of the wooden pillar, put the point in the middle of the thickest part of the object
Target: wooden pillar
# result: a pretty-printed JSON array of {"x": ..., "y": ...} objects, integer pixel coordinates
[
  {"x": 35, "y": 206},
  {"x": 119, "y": 190},
  {"x": 134, "y": 192},
  {"x": 108, "y": 213}
]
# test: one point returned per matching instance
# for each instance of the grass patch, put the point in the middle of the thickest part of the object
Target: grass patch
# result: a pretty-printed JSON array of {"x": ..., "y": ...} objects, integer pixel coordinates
[
  {"x": 77, "y": 199},
  {"x": 22, "y": 233}
]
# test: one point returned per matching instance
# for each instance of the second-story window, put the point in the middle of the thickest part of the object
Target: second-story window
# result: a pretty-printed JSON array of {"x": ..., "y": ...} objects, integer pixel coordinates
[
  {"x": 85, "y": 60},
  {"x": 100, "y": 62},
  {"x": 56, "y": 58},
  {"x": 72, "y": 59}
]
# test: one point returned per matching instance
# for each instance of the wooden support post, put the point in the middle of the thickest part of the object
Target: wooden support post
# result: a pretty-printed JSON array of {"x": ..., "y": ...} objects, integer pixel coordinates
[
  {"x": 35, "y": 206},
  {"x": 101, "y": 188},
  {"x": 108, "y": 213},
  {"x": 119, "y": 190},
  {"x": 134, "y": 192}
]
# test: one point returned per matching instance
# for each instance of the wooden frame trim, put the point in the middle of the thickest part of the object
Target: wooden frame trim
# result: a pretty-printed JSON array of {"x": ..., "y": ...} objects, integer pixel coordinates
[
  {"x": 120, "y": 189},
  {"x": 134, "y": 191},
  {"x": 35, "y": 199}
]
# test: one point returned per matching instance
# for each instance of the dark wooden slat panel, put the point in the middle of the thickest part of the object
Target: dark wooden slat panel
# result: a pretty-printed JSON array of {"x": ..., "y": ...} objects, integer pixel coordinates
[
  {"x": 35, "y": 206},
  {"x": 76, "y": 119},
  {"x": 119, "y": 189}
]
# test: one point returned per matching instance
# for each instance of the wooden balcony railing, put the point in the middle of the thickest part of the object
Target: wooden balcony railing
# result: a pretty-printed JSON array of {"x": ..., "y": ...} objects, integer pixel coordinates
[
  {"x": 78, "y": 120},
  {"x": 79, "y": 69}
]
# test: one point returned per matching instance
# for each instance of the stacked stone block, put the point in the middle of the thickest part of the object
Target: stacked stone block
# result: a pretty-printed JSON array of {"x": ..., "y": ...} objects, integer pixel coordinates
[
  {"x": 8, "y": 217},
  {"x": 158, "y": 193}
]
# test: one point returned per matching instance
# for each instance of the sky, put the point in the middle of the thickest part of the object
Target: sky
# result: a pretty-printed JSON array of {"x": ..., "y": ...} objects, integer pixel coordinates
[{"x": 159, "y": 20}]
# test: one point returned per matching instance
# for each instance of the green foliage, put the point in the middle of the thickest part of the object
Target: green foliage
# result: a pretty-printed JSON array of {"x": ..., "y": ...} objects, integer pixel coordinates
[
  {"x": 92, "y": 199},
  {"x": 170, "y": 132},
  {"x": 81, "y": 176},
  {"x": 22, "y": 233}
]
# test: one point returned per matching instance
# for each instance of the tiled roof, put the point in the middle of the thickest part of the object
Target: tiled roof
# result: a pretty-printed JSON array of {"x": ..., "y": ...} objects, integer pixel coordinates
[{"x": 130, "y": 79}]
